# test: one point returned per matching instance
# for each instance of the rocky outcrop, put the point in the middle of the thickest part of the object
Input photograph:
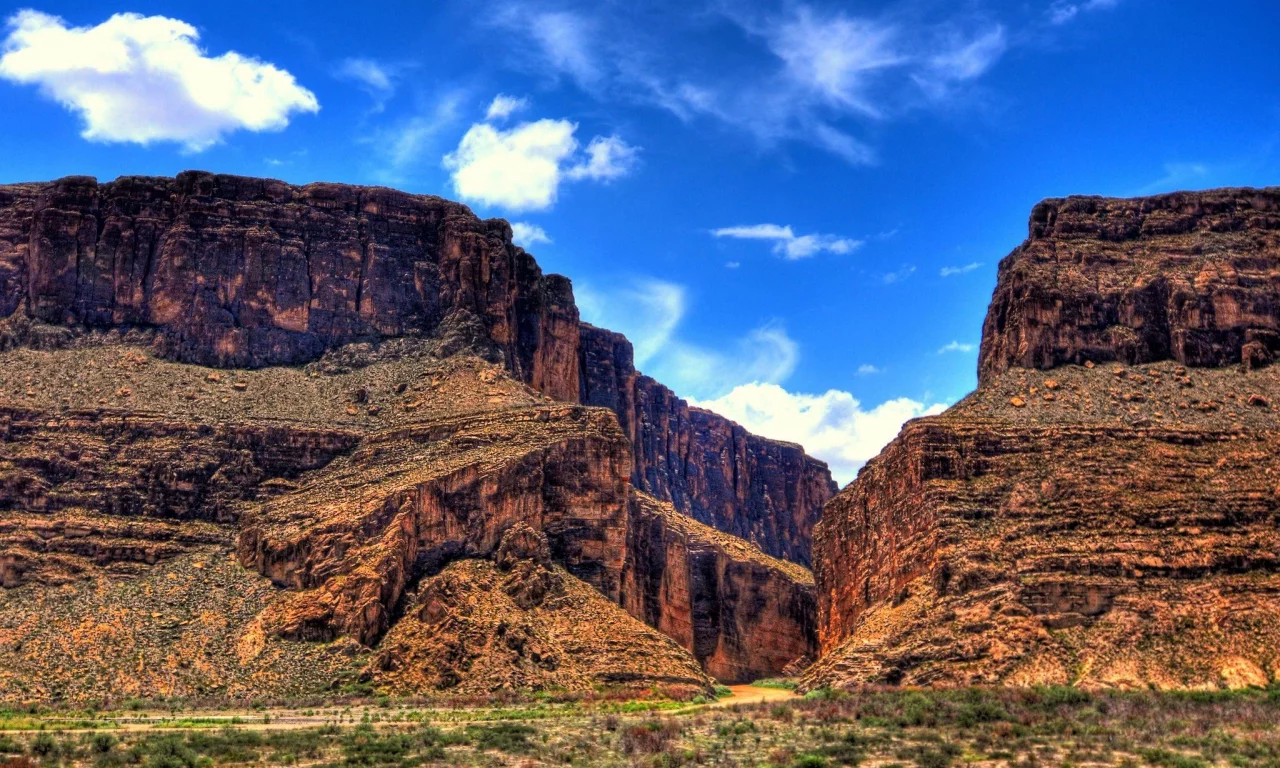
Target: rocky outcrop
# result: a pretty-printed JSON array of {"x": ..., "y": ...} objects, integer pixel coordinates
[
  {"x": 744, "y": 615},
  {"x": 1100, "y": 524},
  {"x": 1189, "y": 276},
  {"x": 246, "y": 273},
  {"x": 765, "y": 491}
]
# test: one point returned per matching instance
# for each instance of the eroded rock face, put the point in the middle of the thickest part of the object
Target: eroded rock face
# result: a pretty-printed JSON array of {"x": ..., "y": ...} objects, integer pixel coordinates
[
  {"x": 743, "y": 614},
  {"x": 765, "y": 491},
  {"x": 1189, "y": 276},
  {"x": 240, "y": 272},
  {"x": 1101, "y": 524}
]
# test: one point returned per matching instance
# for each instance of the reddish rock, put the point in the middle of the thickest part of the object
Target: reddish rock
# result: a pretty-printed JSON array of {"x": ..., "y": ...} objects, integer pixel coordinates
[
  {"x": 1188, "y": 276},
  {"x": 241, "y": 272},
  {"x": 744, "y": 615},
  {"x": 1119, "y": 534}
]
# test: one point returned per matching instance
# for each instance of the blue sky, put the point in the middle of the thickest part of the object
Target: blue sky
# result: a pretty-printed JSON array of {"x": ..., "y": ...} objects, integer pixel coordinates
[{"x": 794, "y": 209}]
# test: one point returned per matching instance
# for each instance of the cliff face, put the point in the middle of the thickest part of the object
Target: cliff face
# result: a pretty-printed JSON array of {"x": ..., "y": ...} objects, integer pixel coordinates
[
  {"x": 424, "y": 498},
  {"x": 1108, "y": 524},
  {"x": 744, "y": 615},
  {"x": 765, "y": 491},
  {"x": 245, "y": 273},
  {"x": 1189, "y": 276}
]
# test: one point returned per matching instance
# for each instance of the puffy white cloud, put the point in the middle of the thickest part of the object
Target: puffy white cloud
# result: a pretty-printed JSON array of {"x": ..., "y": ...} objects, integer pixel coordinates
[
  {"x": 787, "y": 243},
  {"x": 867, "y": 369},
  {"x": 528, "y": 235},
  {"x": 504, "y": 106},
  {"x": 833, "y": 426},
  {"x": 955, "y": 346},
  {"x": 143, "y": 79},
  {"x": 950, "y": 271},
  {"x": 523, "y": 167}
]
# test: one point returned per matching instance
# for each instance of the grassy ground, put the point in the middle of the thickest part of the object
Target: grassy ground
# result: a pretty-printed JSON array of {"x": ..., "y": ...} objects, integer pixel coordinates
[{"x": 881, "y": 729}]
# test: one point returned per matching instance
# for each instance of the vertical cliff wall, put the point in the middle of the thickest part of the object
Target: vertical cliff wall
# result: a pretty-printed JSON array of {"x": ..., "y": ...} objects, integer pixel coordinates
[
  {"x": 239, "y": 272},
  {"x": 1103, "y": 510}
]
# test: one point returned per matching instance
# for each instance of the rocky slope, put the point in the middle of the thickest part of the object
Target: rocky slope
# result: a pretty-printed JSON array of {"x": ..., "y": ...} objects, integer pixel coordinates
[
  {"x": 1101, "y": 525},
  {"x": 258, "y": 440},
  {"x": 239, "y": 272}
]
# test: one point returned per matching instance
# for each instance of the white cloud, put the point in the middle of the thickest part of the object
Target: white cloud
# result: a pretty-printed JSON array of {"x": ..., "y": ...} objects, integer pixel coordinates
[
  {"x": 955, "y": 346},
  {"x": 566, "y": 39},
  {"x": 645, "y": 311},
  {"x": 144, "y": 79},
  {"x": 832, "y": 426},
  {"x": 1063, "y": 11},
  {"x": 401, "y": 145},
  {"x": 504, "y": 106},
  {"x": 608, "y": 158},
  {"x": 787, "y": 243},
  {"x": 522, "y": 168},
  {"x": 374, "y": 77},
  {"x": 732, "y": 264},
  {"x": 650, "y": 312},
  {"x": 833, "y": 57},
  {"x": 968, "y": 59},
  {"x": 867, "y": 369},
  {"x": 806, "y": 74},
  {"x": 949, "y": 271},
  {"x": 527, "y": 235},
  {"x": 902, "y": 273}
]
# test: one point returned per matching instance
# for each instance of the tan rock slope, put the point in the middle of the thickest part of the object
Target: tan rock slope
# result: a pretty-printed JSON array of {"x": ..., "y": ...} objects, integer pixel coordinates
[
  {"x": 259, "y": 440},
  {"x": 1111, "y": 521}
]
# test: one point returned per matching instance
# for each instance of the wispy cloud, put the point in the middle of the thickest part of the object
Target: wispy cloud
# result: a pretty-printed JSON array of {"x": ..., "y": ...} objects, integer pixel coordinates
[
  {"x": 1178, "y": 176},
  {"x": 951, "y": 271},
  {"x": 787, "y": 243},
  {"x": 955, "y": 346},
  {"x": 867, "y": 369},
  {"x": 651, "y": 312},
  {"x": 900, "y": 274},
  {"x": 815, "y": 76},
  {"x": 144, "y": 79},
  {"x": 1063, "y": 11},
  {"x": 401, "y": 146}
]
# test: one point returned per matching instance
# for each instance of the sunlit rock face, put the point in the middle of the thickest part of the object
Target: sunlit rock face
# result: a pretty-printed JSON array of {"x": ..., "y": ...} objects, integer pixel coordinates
[{"x": 1103, "y": 510}]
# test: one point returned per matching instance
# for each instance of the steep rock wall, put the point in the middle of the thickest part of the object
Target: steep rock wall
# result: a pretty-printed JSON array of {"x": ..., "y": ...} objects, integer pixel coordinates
[
  {"x": 242, "y": 272},
  {"x": 1189, "y": 276}
]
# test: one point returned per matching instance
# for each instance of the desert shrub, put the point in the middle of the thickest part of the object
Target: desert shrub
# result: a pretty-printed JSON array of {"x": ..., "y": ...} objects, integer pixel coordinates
[
  {"x": 44, "y": 745},
  {"x": 650, "y": 737},
  {"x": 512, "y": 738},
  {"x": 170, "y": 752},
  {"x": 9, "y": 747}
]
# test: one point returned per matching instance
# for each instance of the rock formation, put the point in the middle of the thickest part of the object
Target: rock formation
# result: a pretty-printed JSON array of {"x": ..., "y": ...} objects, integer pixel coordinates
[
  {"x": 238, "y": 272},
  {"x": 267, "y": 440},
  {"x": 1098, "y": 512}
]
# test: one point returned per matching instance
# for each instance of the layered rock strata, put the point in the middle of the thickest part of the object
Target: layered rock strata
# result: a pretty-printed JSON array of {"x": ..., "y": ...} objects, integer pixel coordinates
[
  {"x": 1105, "y": 524},
  {"x": 238, "y": 272},
  {"x": 743, "y": 614}
]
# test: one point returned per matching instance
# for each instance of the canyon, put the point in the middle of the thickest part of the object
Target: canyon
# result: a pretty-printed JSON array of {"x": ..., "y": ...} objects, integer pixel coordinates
[{"x": 263, "y": 440}]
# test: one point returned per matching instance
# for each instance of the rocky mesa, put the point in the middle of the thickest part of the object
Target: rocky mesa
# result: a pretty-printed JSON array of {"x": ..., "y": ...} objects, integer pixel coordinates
[
  {"x": 267, "y": 440},
  {"x": 1103, "y": 510}
]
